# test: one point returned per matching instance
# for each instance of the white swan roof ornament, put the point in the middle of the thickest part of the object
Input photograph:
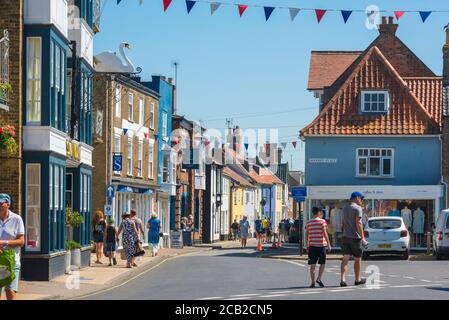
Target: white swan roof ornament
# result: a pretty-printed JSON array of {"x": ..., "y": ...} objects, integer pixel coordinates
[{"x": 109, "y": 62}]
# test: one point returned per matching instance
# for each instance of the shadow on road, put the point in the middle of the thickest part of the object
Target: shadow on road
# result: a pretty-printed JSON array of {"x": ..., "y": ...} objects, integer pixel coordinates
[{"x": 439, "y": 289}]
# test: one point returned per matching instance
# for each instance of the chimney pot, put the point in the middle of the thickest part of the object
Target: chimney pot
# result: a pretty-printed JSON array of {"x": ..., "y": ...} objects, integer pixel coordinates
[
  {"x": 384, "y": 20},
  {"x": 390, "y": 20},
  {"x": 388, "y": 28}
]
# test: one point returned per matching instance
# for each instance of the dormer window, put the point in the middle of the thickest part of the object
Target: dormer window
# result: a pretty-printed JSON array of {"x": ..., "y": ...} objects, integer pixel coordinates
[{"x": 375, "y": 101}]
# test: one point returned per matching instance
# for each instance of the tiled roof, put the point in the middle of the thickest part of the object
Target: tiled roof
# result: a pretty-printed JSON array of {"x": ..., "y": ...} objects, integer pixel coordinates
[
  {"x": 327, "y": 66},
  {"x": 265, "y": 177},
  {"x": 237, "y": 178},
  {"x": 428, "y": 90},
  {"x": 407, "y": 114}
]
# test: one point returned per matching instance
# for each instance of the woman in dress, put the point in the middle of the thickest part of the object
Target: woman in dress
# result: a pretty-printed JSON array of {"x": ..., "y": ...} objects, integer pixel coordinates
[
  {"x": 154, "y": 229},
  {"x": 98, "y": 230},
  {"x": 130, "y": 237}
]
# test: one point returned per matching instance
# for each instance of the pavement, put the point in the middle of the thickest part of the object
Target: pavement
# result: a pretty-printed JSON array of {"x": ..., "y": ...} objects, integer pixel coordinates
[
  {"x": 233, "y": 273},
  {"x": 95, "y": 278}
]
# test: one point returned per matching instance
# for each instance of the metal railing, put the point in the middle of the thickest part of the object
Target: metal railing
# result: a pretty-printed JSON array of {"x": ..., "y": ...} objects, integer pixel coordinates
[{"x": 4, "y": 66}]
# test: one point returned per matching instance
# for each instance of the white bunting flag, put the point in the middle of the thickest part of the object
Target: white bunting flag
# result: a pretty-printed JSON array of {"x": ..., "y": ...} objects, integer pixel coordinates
[
  {"x": 214, "y": 6},
  {"x": 293, "y": 13}
]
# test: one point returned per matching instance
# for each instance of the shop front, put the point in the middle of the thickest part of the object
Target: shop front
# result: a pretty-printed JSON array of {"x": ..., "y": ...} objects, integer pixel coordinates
[
  {"x": 417, "y": 205},
  {"x": 140, "y": 199}
]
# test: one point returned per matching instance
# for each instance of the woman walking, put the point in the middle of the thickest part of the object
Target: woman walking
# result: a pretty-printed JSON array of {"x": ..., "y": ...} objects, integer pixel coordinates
[
  {"x": 139, "y": 226},
  {"x": 244, "y": 230},
  {"x": 154, "y": 230},
  {"x": 130, "y": 237},
  {"x": 98, "y": 229}
]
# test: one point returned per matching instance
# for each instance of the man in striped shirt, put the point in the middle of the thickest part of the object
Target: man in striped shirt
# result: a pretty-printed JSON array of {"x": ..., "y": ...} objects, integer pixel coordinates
[{"x": 317, "y": 240}]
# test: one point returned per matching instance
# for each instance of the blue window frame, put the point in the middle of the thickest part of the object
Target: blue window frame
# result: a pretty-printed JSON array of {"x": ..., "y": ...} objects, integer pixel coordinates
[{"x": 58, "y": 85}]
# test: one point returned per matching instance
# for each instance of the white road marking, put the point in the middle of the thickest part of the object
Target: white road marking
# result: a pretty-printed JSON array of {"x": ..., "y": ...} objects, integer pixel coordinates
[
  {"x": 425, "y": 280},
  {"x": 410, "y": 286},
  {"x": 276, "y": 292},
  {"x": 311, "y": 292},
  {"x": 240, "y": 298},
  {"x": 411, "y": 278},
  {"x": 245, "y": 295},
  {"x": 340, "y": 290},
  {"x": 211, "y": 298},
  {"x": 273, "y": 295},
  {"x": 295, "y": 263}
]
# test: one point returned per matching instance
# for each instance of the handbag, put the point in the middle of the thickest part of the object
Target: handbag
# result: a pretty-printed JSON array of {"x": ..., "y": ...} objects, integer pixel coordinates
[
  {"x": 139, "y": 249},
  {"x": 123, "y": 254},
  {"x": 161, "y": 234},
  {"x": 7, "y": 264}
]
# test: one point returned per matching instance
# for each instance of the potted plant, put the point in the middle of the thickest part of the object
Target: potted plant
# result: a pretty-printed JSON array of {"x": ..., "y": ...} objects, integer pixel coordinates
[
  {"x": 5, "y": 90},
  {"x": 75, "y": 253},
  {"x": 7, "y": 141}
]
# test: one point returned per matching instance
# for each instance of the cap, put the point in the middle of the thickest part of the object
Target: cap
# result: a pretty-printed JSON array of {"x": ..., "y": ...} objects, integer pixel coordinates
[
  {"x": 357, "y": 195},
  {"x": 5, "y": 198}
]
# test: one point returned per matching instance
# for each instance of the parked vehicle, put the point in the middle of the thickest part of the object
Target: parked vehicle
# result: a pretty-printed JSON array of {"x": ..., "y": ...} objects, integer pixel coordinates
[
  {"x": 387, "y": 235},
  {"x": 441, "y": 235},
  {"x": 293, "y": 234}
]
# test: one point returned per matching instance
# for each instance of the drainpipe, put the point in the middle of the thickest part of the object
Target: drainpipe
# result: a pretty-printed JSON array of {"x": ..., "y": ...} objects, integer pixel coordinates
[{"x": 442, "y": 176}]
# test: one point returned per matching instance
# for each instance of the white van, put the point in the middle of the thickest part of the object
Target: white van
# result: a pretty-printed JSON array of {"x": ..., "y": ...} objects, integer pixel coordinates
[{"x": 441, "y": 235}]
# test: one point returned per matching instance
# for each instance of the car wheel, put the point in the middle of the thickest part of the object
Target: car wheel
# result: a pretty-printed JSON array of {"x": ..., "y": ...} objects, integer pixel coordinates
[{"x": 405, "y": 255}]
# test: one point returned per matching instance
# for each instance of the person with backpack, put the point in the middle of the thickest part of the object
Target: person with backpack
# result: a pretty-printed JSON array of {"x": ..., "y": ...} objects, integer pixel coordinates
[
  {"x": 98, "y": 229},
  {"x": 12, "y": 238},
  {"x": 111, "y": 240},
  {"x": 235, "y": 230},
  {"x": 317, "y": 240}
]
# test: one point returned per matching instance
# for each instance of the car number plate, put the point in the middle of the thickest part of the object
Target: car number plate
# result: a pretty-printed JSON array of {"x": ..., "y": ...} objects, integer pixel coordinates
[{"x": 384, "y": 246}]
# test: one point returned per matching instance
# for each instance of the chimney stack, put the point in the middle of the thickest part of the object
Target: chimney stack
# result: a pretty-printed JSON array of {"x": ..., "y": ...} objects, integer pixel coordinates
[
  {"x": 446, "y": 59},
  {"x": 388, "y": 28}
]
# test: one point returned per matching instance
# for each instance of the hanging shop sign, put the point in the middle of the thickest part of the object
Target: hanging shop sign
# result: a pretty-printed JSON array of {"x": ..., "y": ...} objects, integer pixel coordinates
[
  {"x": 73, "y": 150},
  {"x": 323, "y": 160}
]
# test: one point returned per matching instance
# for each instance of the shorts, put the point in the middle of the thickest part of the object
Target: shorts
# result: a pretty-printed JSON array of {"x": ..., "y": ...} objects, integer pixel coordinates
[
  {"x": 98, "y": 239},
  {"x": 317, "y": 254},
  {"x": 262, "y": 230},
  {"x": 110, "y": 246},
  {"x": 352, "y": 247},
  {"x": 14, "y": 285}
]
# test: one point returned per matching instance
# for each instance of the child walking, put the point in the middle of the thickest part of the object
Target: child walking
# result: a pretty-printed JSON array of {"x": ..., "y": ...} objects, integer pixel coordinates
[
  {"x": 111, "y": 240},
  {"x": 317, "y": 240}
]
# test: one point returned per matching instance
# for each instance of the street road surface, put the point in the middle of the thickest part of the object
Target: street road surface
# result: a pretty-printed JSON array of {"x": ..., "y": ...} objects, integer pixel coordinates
[{"x": 237, "y": 274}]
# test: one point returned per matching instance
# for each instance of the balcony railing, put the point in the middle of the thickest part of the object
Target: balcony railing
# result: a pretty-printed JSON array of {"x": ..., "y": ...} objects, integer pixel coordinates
[{"x": 4, "y": 70}]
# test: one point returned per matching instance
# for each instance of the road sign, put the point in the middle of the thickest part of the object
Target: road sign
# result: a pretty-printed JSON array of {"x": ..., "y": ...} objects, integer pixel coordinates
[
  {"x": 117, "y": 162},
  {"x": 110, "y": 191},
  {"x": 108, "y": 210},
  {"x": 300, "y": 191},
  {"x": 176, "y": 239},
  {"x": 299, "y": 199}
]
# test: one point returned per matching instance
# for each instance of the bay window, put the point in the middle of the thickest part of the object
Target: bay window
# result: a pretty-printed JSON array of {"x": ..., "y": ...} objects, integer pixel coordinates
[
  {"x": 375, "y": 162},
  {"x": 34, "y": 80}
]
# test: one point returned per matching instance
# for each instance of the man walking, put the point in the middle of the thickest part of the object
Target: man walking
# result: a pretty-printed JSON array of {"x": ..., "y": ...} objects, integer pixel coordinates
[
  {"x": 317, "y": 240},
  {"x": 353, "y": 238},
  {"x": 12, "y": 233}
]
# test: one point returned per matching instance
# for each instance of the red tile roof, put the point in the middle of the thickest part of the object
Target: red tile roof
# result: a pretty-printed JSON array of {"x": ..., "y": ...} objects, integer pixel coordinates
[
  {"x": 407, "y": 113},
  {"x": 327, "y": 66},
  {"x": 237, "y": 178}
]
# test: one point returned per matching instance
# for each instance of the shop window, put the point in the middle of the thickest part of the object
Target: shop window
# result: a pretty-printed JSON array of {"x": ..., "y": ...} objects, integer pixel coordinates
[
  {"x": 33, "y": 207},
  {"x": 375, "y": 101},
  {"x": 69, "y": 191},
  {"x": 166, "y": 168},
  {"x": 374, "y": 162}
]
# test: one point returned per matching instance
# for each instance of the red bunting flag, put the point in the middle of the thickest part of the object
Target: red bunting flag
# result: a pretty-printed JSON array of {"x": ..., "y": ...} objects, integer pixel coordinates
[
  {"x": 206, "y": 143},
  {"x": 166, "y": 4},
  {"x": 320, "y": 14},
  {"x": 242, "y": 9},
  {"x": 294, "y": 144},
  {"x": 398, "y": 14},
  {"x": 145, "y": 134}
]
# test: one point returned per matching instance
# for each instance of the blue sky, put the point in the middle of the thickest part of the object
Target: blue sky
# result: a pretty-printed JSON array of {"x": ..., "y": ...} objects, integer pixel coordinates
[{"x": 232, "y": 66}]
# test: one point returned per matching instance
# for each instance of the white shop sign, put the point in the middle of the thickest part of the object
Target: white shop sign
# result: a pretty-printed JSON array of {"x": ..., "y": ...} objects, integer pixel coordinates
[
  {"x": 322, "y": 160},
  {"x": 376, "y": 192}
]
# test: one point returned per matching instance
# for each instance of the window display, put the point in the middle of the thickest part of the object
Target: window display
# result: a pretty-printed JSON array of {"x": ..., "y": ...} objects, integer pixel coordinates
[{"x": 417, "y": 216}]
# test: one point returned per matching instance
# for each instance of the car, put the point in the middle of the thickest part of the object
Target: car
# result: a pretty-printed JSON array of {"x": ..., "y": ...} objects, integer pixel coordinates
[
  {"x": 293, "y": 233},
  {"x": 386, "y": 235},
  {"x": 441, "y": 235}
]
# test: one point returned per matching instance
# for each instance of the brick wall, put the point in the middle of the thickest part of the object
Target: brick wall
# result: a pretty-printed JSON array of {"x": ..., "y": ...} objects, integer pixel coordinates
[{"x": 11, "y": 166}]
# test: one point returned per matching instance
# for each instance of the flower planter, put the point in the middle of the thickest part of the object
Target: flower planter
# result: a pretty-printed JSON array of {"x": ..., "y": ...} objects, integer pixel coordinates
[
  {"x": 75, "y": 259},
  {"x": 68, "y": 261}
]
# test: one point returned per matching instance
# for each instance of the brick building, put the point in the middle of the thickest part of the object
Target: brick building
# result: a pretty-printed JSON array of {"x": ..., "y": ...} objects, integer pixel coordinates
[
  {"x": 128, "y": 131},
  {"x": 11, "y": 44}
]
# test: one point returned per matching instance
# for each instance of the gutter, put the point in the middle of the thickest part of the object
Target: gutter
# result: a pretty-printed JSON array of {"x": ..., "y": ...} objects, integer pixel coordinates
[{"x": 442, "y": 176}]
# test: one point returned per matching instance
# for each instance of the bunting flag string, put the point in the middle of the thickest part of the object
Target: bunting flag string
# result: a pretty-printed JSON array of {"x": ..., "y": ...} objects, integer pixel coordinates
[
  {"x": 145, "y": 135},
  {"x": 320, "y": 13},
  {"x": 246, "y": 146},
  {"x": 294, "y": 144},
  {"x": 125, "y": 131}
]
